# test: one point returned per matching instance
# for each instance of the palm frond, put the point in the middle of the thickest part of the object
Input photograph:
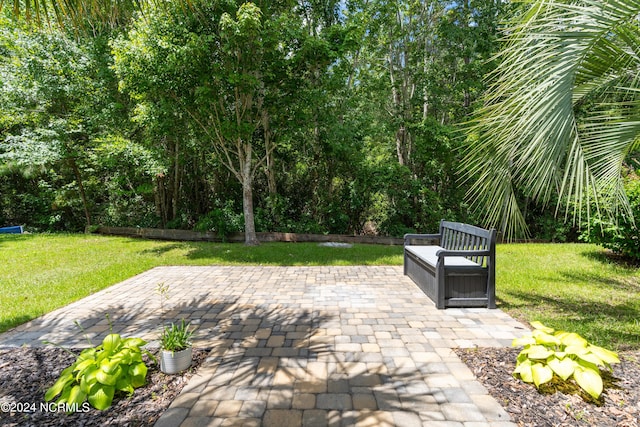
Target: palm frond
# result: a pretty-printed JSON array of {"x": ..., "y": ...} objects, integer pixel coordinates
[
  {"x": 82, "y": 15},
  {"x": 560, "y": 59}
]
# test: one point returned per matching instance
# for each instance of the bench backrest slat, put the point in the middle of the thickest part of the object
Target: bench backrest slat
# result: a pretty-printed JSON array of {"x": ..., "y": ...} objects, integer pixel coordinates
[
  {"x": 455, "y": 244},
  {"x": 475, "y": 243},
  {"x": 468, "y": 242},
  {"x": 458, "y": 236},
  {"x": 447, "y": 234}
]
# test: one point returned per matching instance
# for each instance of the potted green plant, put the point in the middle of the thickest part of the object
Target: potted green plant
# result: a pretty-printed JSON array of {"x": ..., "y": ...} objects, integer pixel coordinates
[{"x": 175, "y": 347}]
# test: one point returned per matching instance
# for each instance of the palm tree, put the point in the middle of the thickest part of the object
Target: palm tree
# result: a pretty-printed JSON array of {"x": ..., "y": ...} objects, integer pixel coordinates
[{"x": 562, "y": 113}]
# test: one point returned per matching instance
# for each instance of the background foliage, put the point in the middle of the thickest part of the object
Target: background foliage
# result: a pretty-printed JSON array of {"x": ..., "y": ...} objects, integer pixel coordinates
[{"x": 339, "y": 117}]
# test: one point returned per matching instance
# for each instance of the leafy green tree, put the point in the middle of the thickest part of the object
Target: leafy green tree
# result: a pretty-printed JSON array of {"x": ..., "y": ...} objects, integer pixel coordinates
[
  {"x": 417, "y": 71},
  {"x": 218, "y": 73},
  {"x": 157, "y": 64},
  {"x": 125, "y": 173},
  {"x": 561, "y": 114},
  {"x": 459, "y": 57},
  {"x": 52, "y": 106},
  {"x": 65, "y": 160}
]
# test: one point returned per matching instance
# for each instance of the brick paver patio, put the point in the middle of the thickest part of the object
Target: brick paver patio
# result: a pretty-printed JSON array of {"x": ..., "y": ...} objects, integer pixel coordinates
[{"x": 300, "y": 346}]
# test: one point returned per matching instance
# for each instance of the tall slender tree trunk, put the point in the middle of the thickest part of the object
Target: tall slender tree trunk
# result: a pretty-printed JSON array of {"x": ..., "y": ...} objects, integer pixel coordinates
[
  {"x": 176, "y": 180},
  {"x": 250, "y": 238},
  {"x": 161, "y": 199},
  {"x": 270, "y": 161},
  {"x": 83, "y": 195}
]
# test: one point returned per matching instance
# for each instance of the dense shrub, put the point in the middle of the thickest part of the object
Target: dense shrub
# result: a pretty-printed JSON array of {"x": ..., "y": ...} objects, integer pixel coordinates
[
  {"x": 223, "y": 220},
  {"x": 620, "y": 233}
]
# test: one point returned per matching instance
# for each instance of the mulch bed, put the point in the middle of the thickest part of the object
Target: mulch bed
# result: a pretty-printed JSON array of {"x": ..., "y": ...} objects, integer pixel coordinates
[
  {"x": 26, "y": 373},
  {"x": 558, "y": 404}
]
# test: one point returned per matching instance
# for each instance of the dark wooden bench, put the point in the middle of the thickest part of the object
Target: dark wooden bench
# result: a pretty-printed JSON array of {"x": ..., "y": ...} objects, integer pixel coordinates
[{"x": 457, "y": 266}]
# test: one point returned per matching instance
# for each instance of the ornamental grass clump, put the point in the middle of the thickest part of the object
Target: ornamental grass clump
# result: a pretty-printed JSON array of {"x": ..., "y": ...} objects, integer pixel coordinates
[
  {"x": 176, "y": 337},
  {"x": 550, "y": 354}
]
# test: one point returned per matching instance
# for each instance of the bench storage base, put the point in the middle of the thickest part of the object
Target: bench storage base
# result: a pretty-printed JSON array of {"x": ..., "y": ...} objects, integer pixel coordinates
[
  {"x": 462, "y": 287},
  {"x": 458, "y": 273}
]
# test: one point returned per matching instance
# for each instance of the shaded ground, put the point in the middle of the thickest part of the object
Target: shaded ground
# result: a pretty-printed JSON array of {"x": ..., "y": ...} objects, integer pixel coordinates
[
  {"x": 557, "y": 404},
  {"x": 26, "y": 373}
]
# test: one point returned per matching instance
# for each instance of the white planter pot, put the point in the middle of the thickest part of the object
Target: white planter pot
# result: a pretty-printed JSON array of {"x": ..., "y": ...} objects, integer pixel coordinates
[{"x": 172, "y": 362}]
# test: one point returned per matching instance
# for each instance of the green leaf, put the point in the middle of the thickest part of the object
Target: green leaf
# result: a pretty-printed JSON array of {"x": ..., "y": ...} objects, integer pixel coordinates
[
  {"x": 123, "y": 356},
  {"x": 544, "y": 338},
  {"x": 541, "y": 374},
  {"x": 522, "y": 341},
  {"x": 563, "y": 368},
  {"x": 589, "y": 380},
  {"x": 87, "y": 381},
  {"x": 133, "y": 342},
  {"x": 539, "y": 326},
  {"x": 57, "y": 387},
  {"x": 67, "y": 371},
  {"x": 87, "y": 372},
  {"x": 124, "y": 384},
  {"x": 538, "y": 352},
  {"x": 89, "y": 353},
  {"x": 138, "y": 375},
  {"x": 524, "y": 371},
  {"x": 101, "y": 396},
  {"x": 575, "y": 350},
  {"x": 109, "y": 366},
  {"x": 591, "y": 358},
  {"x": 102, "y": 355},
  {"x": 587, "y": 365},
  {"x": 522, "y": 357},
  {"x": 77, "y": 395},
  {"x": 82, "y": 366},
  {"x": 91, "y": 376},
  {"x": 109, "y": 378},
  {"x": 607, "y": 356},
  {"x": 571, "y": 339},
  {"x": 139, "y": 369},
  {"x": 136, "y": 357},
  {"x": 111, "y": 343},
  {"x": 64, "y": 397}
]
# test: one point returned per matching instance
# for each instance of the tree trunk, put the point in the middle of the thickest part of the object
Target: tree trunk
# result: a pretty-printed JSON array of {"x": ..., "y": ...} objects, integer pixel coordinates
[
  {"x": 401, "y": 136},
  {"x": 161, "y": 199},
  {"x": 176, "y": 180},
  {"x": 250, "y": 238},
  {"x": 83, "y": 195},
  {"x": 271, "y": 177}
]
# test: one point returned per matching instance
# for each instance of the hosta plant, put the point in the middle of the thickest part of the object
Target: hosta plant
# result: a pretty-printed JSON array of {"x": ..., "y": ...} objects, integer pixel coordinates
[
  {"x": 98, "y": 373},
  {"x": 550, "y": 354}
]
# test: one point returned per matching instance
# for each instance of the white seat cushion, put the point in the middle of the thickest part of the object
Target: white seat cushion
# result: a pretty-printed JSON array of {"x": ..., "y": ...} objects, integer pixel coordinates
[{"x": 428, "y": 254}]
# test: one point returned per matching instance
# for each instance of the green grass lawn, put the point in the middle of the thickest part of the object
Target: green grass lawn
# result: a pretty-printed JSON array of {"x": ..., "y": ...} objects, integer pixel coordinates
[
  {"x": 41, "y": 272},
  {"x": 571, "y": 287}
]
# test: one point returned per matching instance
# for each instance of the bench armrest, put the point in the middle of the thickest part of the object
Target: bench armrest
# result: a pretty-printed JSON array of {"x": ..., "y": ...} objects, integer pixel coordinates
[
  {"x": 444, "y": 252},
  {"x": 409, "y": 237}
]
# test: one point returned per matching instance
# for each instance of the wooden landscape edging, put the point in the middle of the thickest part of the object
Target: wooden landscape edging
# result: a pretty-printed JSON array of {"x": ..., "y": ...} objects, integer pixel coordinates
[{"x": 208, "y": 236}]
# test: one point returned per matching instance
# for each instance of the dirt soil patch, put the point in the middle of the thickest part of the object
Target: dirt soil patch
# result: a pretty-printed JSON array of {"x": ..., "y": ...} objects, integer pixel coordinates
[
  {"x": 27, "y": 373},
  {"x": 558, "y": 404}
]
